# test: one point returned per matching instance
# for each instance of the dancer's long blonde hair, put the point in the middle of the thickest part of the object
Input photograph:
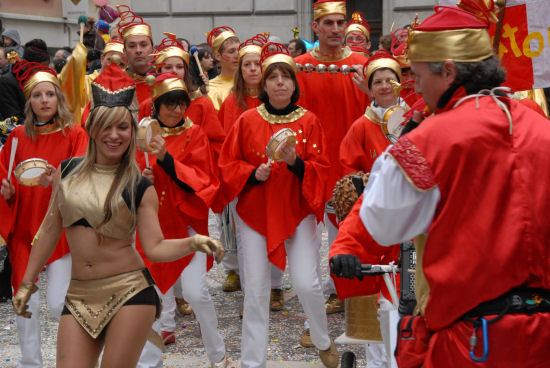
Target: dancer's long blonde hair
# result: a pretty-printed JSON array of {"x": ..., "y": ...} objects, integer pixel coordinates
[{"x": 127, "y": 174}]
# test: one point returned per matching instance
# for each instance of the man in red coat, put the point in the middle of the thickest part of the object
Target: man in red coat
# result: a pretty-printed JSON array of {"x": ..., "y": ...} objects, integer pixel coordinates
[
  {"x": 333, "y": 97},
  {"x": 474, "y": 178},
  {"x": 138, "y": 47}
]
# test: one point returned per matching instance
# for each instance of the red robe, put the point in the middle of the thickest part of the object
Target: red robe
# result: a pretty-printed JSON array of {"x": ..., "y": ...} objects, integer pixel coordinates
[
  {"x": 143, "y": 90},
  {"x": 353, "y": 238},
  {"x": 202, "y": 113},
  {"x": 231, "y": 110},
  {"x": 275, "y": 207},
  {"x": 177, "y": 208},
  {"x": 362, "y": 144},
  {"x": 337, "y": 102},
  {"x": 30, "y": 204},
  {"x": 490, "y": 231}
]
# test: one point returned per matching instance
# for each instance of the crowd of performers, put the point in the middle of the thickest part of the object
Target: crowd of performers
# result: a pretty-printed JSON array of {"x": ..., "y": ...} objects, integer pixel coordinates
[{"x": 117, "y": 213}]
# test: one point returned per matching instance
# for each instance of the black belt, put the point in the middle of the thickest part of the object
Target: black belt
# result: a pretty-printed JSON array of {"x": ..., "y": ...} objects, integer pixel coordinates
[{"x": 518, "y": 300}]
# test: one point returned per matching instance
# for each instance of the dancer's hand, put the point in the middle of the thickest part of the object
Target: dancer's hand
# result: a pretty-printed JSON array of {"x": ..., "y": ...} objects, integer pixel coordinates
[
  {"x": 207, "y": 245},
  {"x": 21, "y": 298}
]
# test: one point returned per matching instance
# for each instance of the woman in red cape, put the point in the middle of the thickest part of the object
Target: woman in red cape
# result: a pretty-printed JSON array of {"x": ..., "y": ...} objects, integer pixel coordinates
[
  {"x": 279, "y": 204},
  {"x": 186, "y": 184}
]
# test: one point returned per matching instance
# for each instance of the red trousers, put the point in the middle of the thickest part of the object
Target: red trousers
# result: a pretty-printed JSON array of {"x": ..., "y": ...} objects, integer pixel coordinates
[{"x": 516, "y": 340}]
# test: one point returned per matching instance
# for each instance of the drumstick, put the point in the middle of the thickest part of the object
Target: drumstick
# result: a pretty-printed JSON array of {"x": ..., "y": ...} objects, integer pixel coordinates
[
  {"x": 195, "y": 52},
  {"x": 82, "y": 21},
  {"x": 147, "y": 160},
  {"x": 269, "y": 160},
  {"x": 12, "y": 156}
]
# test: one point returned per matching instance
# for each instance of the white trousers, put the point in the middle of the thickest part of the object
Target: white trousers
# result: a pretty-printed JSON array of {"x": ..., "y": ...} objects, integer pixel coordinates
[
  {"x": 332, "y": 231},
  {"x": 302, "y": 250},
  {"x": 375, "y": 354},
  {"x": 194, "y": 288},
  {"x": 58, "y": 276},
  {"x": 231, "y": 261}
]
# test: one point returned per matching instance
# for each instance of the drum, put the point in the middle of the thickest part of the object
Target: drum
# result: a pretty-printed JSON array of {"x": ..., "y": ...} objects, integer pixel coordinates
[
  {"x": 147, "y": 129},
  {"x": 361, "y": 315},
  {"x": 346, "y": 192},
  {"x": 283, "y": 135},
  {"x": 392, "y": 122},
  {"x": 28, "y": 172}
]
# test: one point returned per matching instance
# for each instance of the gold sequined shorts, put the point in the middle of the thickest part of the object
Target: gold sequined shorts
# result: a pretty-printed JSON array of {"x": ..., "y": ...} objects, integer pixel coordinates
[{"x": 93, "y": 303}]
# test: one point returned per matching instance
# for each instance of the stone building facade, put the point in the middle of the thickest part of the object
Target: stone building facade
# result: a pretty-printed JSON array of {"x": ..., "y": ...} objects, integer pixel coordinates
[{"x": 55, "y": 20}]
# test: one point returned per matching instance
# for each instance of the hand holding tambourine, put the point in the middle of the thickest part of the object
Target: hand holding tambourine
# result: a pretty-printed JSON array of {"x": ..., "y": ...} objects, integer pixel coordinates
[
  {"x": 282, "y": 146},
  {"x": 35, "y": 171},
  {"x": 158, "y": 145},
  {"x": 147, "y": 129}
]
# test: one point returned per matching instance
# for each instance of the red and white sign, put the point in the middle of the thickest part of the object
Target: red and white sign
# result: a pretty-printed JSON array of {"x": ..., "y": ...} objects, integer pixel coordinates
[{"x": 524, "y": 43}]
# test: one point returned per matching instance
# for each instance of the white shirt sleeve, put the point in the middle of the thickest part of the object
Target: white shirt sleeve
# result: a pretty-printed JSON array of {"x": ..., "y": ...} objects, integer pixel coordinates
[{"x": 392, "y": 210}]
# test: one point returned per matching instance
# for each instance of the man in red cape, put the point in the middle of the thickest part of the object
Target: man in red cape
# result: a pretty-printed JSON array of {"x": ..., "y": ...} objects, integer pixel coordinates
[
  {"x": 473, "y": 177},
  {"x": 333, "y": 97}
]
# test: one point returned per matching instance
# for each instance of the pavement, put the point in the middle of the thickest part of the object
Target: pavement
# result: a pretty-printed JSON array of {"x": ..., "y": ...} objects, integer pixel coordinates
[{"x": 286, "y": 327}]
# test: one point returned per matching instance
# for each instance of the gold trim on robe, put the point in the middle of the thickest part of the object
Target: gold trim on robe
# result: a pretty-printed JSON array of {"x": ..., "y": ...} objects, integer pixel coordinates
[
  {"x": 328, "y": 58},
  {"x": 280, "y": 119},
  {"x": 166, "y": 131}
]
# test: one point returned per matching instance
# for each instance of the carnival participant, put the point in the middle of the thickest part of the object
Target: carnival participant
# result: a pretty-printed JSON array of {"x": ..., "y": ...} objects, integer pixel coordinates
[
  {"x": 100, "y": 229},
  {"x": 298, "y": 175},
  {"x": 471, "y": 177},
  {"x": 296, "y": 47},
  {"x": 245, "y": 95},
  {"x": 172, "y": 58},
  {"x": 369, "y": 135},
  {"x": 368, "y": 138},
  {"x": 184, "y": 175},
  {"x": 138, "y": 46},
  {"x": 322, "y": 91},
  {"x": 225, "y": 47},
  {"x": 206, "y": 62},
  {"x": 357, "y": 31},
  {"x": 47, "y": 136}
]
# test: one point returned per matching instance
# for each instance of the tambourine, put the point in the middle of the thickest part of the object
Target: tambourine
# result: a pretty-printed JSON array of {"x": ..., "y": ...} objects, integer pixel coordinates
[
  {"x": 28, "y": 172},
  {"x": 146, "y": 130},
  {"x": 322, "y": 68},
  {"x": 283, "y": 135},
  {"x": 392, "y": 122}
]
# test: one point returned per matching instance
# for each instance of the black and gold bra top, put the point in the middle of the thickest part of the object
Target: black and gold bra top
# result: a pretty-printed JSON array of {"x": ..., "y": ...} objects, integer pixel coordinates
[{"x": 82, "y": 202}]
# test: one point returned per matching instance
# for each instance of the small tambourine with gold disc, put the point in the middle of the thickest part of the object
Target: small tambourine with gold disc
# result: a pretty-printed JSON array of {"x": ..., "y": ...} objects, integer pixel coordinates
[
  {"x": 147, "y": 129},
  {"x": 272, "y": 149},
  {"x": 392, "y": 122},
  {"x": 28, "y": 172}
]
